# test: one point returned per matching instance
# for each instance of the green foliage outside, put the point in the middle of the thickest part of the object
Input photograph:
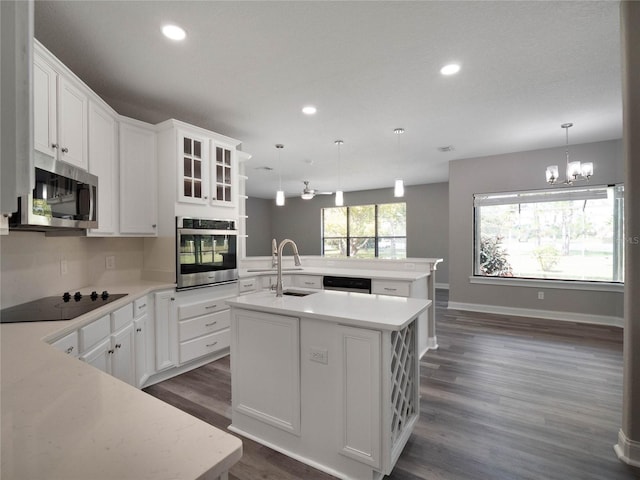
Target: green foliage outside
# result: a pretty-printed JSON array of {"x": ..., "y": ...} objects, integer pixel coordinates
[
  {"x": 547, "y": 256},
  {"x": 493, "y": 258}
]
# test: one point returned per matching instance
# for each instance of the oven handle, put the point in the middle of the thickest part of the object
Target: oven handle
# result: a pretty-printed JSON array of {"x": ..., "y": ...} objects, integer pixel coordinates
[{"x": 196, "y": 231}]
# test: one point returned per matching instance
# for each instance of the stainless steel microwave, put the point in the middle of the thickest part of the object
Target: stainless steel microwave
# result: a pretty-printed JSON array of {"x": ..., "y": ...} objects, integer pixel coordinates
[{"x": 65, "y": 197}]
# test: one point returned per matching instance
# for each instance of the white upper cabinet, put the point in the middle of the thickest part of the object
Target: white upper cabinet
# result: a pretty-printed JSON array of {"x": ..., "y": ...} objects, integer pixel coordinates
[
  {"x": 103, "y": 162},
  {"x": 193, "y": 168},
  {"x": 60, "y": 112},
  {"x": 138, "y": 178},
  {"x": 224, "y": 174}
]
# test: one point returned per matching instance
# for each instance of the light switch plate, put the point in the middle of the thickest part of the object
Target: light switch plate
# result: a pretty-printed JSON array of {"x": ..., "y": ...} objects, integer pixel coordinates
[{"x": 110, "y": 262}]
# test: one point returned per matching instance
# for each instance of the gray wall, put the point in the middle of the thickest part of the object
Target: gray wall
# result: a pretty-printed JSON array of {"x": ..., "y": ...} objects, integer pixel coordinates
[
  {"x": 259, "y": 228},
  {"x": 300, "y": 220},
  {"x": 512, "y": 172}
]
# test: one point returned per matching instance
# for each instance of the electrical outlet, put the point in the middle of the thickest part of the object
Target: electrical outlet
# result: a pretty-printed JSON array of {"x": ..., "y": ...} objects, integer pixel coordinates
[
  {"x": 540, "y": 295},
  {"x": 320, "y": 355},
  {"x": 110, "y": 262},
  {"x": 63, "y": 266}
]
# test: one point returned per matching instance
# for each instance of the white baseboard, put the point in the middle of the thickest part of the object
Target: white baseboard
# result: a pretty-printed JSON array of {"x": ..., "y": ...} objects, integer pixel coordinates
[
  {"x": 546, "y": 314},
  {"x": 627, "y": 450},
  {"x": 444, "y": 286}
]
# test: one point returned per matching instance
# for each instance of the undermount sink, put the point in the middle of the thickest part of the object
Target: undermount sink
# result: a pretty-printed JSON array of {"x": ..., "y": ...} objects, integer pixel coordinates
[
  {"x": 297, "y": 293},
  {"x": 273, "y": 269}
]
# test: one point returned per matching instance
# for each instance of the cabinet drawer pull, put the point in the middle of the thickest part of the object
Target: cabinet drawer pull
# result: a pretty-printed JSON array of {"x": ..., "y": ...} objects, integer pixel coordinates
[
  {"x": 388, "y": 289},
  {"x": 209, "y": 324},
  {"x": 138, "y": 329},
  {"x": 308, "y": 283},
  {"x": 65, "y": 150},
  {"x": 142, "y": 306},
  {"x": 111, "y": 351},
  {"x": 210, "y": 306},
  {"x": 118, "y": 345},
  {"x": 212, "y": 344},
  {"x": 69, "y": 350}
]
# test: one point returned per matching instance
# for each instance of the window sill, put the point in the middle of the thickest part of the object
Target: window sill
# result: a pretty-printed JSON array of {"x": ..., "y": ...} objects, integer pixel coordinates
[{"x": 561, "y": 284}]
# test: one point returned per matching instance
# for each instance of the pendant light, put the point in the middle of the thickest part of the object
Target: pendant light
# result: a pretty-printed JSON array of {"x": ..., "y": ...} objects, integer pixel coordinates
[
  {"x": 339, "y": 194},
  {"x": 575, "y": 171},
  {"x": 398, "y": 188},
  {"x": 280, "y": 192}
]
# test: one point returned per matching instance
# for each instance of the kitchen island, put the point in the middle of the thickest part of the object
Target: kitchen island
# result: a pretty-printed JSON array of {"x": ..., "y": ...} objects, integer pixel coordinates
[{"x": 328, "y": 378}]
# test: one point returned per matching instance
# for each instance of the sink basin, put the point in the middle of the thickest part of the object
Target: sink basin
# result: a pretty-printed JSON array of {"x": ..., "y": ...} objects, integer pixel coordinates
[
  {"x": 273, "y": 269},
  {"x": 297, "y": 293}
]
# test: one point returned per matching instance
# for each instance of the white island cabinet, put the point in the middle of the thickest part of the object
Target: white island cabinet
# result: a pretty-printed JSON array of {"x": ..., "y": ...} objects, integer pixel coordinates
[{"x": 330, "y": 379}]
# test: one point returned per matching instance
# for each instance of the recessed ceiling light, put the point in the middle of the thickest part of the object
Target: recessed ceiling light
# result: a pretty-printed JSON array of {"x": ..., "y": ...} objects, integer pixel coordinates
[
  {"x": 174, "y": 32},
  {"x": 450, "y": 69},
  {"x": 309, "y": 110}
]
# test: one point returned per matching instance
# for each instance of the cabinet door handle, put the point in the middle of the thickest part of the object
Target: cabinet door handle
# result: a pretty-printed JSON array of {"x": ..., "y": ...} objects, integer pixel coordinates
[
  {"x": 69, "y": 350},
  {"x": 111, "y": 351},
  {"x": 142, "y": 306},
  {"x": 118, "y": 345},
  {"x": 138, "y": 329},
  {"x": 54, "y": 145},
  {"x": 212, "y": 344},
  {"x": 210, "y": 306},
  {"x": 154, "y": 225},
  {"x": 209, "y": 324}
]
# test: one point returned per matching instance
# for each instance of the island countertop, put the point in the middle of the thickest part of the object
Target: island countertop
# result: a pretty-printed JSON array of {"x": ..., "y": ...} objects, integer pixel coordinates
[{"x": 378, "y": 312}]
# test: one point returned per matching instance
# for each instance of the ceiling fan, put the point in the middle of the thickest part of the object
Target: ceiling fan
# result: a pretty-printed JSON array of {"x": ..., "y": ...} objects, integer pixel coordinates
[{"x": 309, "y": 193}]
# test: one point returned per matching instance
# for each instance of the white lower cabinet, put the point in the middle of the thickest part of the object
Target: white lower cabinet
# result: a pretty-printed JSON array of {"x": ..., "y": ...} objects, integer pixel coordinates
[
  {"x": 143, "y": 334},
  {"x": 203, "y": 326},
  {"x": 68, "y": 344},
  {"x": 108, "y": 344},
  {"x": 166, "y": 330}
]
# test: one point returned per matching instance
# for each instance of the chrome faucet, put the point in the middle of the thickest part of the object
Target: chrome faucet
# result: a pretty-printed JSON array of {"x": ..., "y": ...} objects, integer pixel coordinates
[
  {"x": 274, "y": 253},
  {"x": 296, "y": 259}
]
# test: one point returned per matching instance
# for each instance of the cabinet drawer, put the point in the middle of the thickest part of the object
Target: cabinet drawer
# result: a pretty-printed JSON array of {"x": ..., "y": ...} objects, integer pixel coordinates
[
  {"x": 204, "y": 325},
  {"x": 308, "y": 281},
  {"x": 201, "y": 308},
  {"x": 247, "y": 285},
  {"x": 140, "y": 306},
  {"x": 121, "y": 317},
  {"x": 68, "y": 344},
  {"x": 94, "y": 332},
  {"x": 201, "y": 346},
  {"x": 388, "y": 287}
]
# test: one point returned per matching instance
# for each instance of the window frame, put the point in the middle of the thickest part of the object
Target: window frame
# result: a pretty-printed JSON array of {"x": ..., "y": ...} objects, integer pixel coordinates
[
  {"x": 567, "y": 193},
  {"x": 376, "y": 237}
]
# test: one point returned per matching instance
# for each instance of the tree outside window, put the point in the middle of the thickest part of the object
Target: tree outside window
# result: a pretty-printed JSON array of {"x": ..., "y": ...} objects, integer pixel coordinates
[{"x": 365, "y": 231}]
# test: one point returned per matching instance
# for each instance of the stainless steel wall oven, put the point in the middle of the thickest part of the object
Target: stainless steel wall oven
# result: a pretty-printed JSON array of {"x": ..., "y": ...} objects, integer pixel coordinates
[{"x": 206, "y": 252}]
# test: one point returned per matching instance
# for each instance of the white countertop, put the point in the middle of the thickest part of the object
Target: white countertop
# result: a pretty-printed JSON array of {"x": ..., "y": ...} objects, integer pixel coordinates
[
  {"x": 63, "y": 419},
  {"x": 404, "y": 275},
  {"x": 379, "y": 312}
]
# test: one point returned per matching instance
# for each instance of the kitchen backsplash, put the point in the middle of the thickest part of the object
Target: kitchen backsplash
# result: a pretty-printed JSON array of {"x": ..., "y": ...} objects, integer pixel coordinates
[{"x": 34, "y": 266}]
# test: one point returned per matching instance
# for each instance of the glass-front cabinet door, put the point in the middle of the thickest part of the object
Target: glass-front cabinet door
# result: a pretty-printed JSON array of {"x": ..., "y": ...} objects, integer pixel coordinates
[
  {"x": 193, "y": 183},
  {"x": 222, "y": 175}
]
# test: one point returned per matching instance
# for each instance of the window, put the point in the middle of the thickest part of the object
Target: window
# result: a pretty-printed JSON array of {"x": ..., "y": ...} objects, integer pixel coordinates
[
  {"x": 561, "y": 234},
  {"x": 365, "y": 231}
]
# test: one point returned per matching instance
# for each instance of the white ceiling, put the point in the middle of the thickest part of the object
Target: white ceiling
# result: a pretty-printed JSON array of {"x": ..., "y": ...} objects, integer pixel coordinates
[{"x": 247, "y": 68}]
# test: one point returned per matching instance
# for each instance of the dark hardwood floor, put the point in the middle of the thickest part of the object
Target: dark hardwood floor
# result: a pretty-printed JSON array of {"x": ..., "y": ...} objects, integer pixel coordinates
[{"x": 503, "y": 398}]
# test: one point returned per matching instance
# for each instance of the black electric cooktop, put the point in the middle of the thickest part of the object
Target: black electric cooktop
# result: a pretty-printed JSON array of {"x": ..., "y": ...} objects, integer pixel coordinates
[{"x": 64, "y": 307}]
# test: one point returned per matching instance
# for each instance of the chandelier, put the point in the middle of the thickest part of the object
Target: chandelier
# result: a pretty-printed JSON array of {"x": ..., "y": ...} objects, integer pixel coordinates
[{"x": 575, "y": 171}]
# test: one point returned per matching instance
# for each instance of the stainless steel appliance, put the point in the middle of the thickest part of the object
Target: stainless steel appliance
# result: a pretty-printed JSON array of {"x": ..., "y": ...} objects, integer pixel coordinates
[
  {"x": 64, "y": 197},
  {"x": 347, "y": 284},
  {"x": 206, "y": 252},
  {"x": 63, "y": 307}
]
